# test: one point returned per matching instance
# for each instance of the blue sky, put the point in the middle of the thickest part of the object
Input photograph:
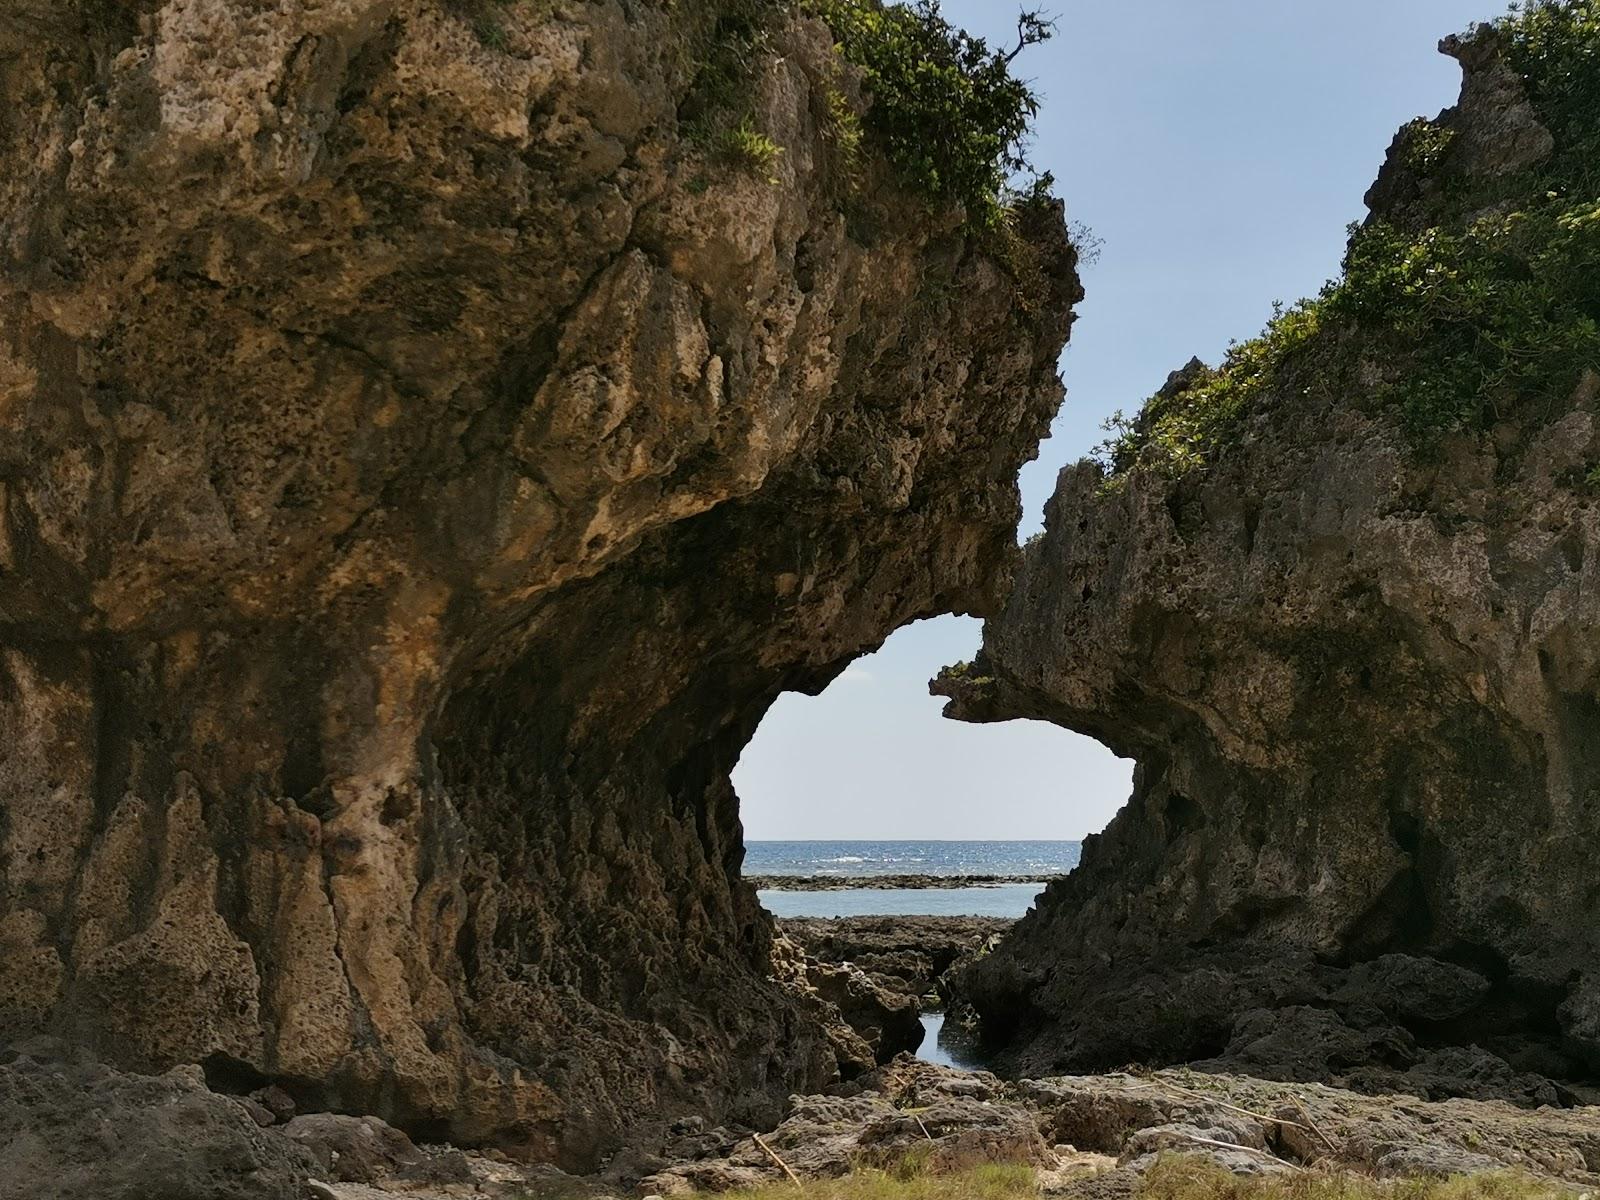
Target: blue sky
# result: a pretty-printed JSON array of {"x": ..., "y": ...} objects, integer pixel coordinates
[{"x": 1219, "y": 147}]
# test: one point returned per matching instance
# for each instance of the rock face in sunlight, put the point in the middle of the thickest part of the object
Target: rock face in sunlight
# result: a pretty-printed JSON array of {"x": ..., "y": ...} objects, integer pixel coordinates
[
  {"x": 420, "y": 467},
  {"x": 1361, "y": 680}
]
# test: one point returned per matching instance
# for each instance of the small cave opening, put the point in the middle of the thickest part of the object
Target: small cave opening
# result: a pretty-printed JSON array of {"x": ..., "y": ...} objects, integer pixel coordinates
[{"x": 886, "y": 838}]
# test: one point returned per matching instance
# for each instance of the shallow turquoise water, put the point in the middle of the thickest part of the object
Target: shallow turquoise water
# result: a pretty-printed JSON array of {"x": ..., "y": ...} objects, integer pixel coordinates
[
  {"x": 952, "y": 1048},
  {"x": 1005, "y": 900}
]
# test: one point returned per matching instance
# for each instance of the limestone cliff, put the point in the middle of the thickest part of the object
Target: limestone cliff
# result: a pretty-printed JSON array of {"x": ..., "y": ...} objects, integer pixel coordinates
[
  {"x": 1360, "y": 677},
  {"x": 421, "y": 465}
]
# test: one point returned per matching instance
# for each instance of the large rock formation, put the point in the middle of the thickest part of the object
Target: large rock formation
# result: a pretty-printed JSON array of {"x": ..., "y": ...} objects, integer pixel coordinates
[
  {"x": 420, "y": 468},
  {"x": 1362, "y": 686}
]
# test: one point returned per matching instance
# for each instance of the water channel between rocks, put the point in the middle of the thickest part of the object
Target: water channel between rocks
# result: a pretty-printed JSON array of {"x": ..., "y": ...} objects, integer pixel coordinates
[{"x": 947, "y": 1045}]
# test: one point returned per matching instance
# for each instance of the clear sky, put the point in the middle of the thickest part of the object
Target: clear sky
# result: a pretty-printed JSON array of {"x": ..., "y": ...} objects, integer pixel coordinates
[{"x": 1219, "y": 147}]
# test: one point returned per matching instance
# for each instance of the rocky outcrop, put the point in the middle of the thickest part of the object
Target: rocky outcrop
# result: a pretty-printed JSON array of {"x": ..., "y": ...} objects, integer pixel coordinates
[
  {"x": 420, "y": 468},
  {"x": 867, "y": 1018},
  {"x": 78, "y": 1130},
  {"x": 878, "y": 972},
  {"x": 945, "y": 1121},
  {"x": 1362, "y": 685},
  {"x": 1262, "y": 1125}
]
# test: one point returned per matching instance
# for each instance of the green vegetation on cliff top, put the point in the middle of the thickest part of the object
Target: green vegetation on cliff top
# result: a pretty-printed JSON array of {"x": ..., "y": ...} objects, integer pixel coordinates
[
  {"x": 945, "y": 109},
  {"x": 1488, "y": 306}
]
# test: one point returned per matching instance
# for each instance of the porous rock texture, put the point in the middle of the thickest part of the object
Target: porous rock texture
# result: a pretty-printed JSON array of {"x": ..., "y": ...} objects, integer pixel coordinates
[
  {"x": 420, "y": 468},
  {"x": 1362, "y": 688}
]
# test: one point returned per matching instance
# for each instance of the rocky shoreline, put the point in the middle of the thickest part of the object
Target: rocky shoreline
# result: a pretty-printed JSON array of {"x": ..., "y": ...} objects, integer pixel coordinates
[
  {"x": 908, "y": 956},
  {"x": 1382, "y": 1026},
  {"x": 844, "y": 883}
]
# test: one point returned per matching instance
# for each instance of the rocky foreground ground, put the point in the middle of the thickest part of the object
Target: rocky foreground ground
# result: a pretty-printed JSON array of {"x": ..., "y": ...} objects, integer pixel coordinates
[
  {"x": 75, "y": 1129},
  {"x": 71, "y": 1128}
]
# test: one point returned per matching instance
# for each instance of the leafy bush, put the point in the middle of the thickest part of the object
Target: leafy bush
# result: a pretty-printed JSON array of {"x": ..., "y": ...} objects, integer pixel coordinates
[
  {"x": 1555, "y": 48},
  {"x": 1179, "y": 428},
  {"x": 843, "y": 129},
  {"x": 1473, "y": 318},
  {"x": 734, "y": 36},
  {"x": 748, "y": 147},
  {"x": 484, "y": 18},
  {"x": 1499, "y": 316},
  {"x": 950, "y": 116}
]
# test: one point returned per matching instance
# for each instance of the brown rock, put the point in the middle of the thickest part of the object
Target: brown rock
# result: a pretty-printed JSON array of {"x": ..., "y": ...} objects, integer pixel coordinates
[{"x": 909, "y": 954}]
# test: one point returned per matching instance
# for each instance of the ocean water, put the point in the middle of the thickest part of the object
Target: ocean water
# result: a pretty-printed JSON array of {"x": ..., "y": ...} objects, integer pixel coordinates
[
  {"x": 862, "y": 859},
  {"x": 857, "y": 860}
]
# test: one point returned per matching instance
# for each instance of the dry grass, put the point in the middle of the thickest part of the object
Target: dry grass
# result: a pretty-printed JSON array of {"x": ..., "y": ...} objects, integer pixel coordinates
[
  {"x": 990, "y": 1182},
  {"x": 1191, "y": 1178},
  {"x": 1175, "y": 1177}
]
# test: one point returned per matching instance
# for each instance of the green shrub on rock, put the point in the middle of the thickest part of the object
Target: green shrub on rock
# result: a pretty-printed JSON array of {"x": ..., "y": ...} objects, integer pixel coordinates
[{"x": 949, "y": 114}]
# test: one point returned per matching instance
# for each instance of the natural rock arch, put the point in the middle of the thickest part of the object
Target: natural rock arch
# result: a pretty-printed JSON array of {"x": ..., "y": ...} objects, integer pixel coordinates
[{"x": 420, "y": 471}]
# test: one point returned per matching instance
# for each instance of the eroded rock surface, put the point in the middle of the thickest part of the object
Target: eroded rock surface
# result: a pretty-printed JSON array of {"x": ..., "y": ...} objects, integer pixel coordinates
[
  {"x": 420, "y": 468},
  {"x": 1267, "y": 1125},
  {"x": 1363, "y": 689}
]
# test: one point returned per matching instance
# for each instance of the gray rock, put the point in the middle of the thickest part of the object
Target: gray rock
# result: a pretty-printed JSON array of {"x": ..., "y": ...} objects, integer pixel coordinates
[
  {"x": 1580, "y": 1019},
  {"x": 1305, "y": 1044},
  {"x": 1413, "y": 988},
  {"x": 1134, "y": 1118},
  {"x": 76, "y": 1131},
  {"x": 1440, "y": 1161},
  {"x": 366, "y": 1150},
  {"x": 276, "y": 1101}
]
